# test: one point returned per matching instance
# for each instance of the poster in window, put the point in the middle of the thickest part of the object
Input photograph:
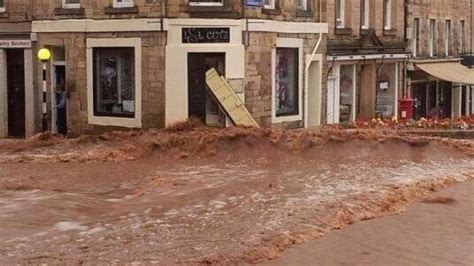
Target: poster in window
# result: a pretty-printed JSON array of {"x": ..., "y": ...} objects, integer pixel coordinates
[
  {"x": 286, "y": 82},
  {"x": 108, "y": 77}
]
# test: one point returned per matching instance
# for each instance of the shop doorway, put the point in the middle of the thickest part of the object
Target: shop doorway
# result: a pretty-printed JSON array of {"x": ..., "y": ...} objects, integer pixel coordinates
[
  {"x": 16, "y": 93},
  {"x": 201, "y": 103},
  {"x": 59, "y": 114}
]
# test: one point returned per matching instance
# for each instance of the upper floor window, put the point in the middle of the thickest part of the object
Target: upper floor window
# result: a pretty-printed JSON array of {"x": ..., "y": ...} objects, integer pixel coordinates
[
  {"x": 2, "y": 5},
  {"x": 340, "y": 14},
  {"x": 206, "y": 2},
  {"x": 432, "y": 40},
  {"x": 387, "y": 14},
  {"x": 303, "y": 4},
  {"x": 70, "y": 3},
  {"x": 461, "y": 36},
  {"x": 416, "y": 37},
  {"x": 123, "y": 3},
  {"x": 269, "y": 4},
  {"x": 364, "y": 13},
  {"x": 447, "y": 37}
]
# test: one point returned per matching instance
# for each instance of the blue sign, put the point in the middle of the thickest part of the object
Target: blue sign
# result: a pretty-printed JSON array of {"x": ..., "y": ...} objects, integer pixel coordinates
[{"x": 254, "y": 3}]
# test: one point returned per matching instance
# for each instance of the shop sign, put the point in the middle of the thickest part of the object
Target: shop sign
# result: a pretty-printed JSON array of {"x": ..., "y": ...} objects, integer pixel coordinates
[
  {"x": 15, "y": 44},
  {"x": 206, "y": 35},
  {"x": 253, "y": 3}
]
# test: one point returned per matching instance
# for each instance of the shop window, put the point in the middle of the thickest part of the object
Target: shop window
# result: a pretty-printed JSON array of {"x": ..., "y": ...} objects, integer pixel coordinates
[
  {"x": 2, "y": 5},
  {"x": 206, "y": 2},
  {"x": 432, "y": 40},
  {"x": 340, "y": 14},
  {"x": 286, "y": 82},
  {"x": 71, "y": 3},
  {"x": 387, "y": 14},
  {"x": 347, "y": 83},
  {"x": 269, "y": 4},
  {"x": 364, "y": 14},
  {"x": 122, "y": 3},
  {"x": 114, "y": 82}
]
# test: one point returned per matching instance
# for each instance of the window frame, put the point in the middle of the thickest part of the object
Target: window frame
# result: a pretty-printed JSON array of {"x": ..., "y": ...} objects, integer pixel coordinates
[
  {"x": 211, "y": 4},
  {"x": 288, "y": 43},
  {"x": 303, "y": 6},
  {"x": 272, "y": 4},
  {"x": 432, "y": 38},
  {"x": 416, "y": 37},
  {"x": 342, "y": 14},
  {"x": 3, "y": 9},
  {"x": 387, "y": 14},
  {"x": 66, "y": 5},
  {"x": 136, "y": 43},
  {"x": 447, "y": 37},
  {"x": 462, "y": 40},
  {"x": 365, "y": 19},
  {"x": 129, "y": 4}
]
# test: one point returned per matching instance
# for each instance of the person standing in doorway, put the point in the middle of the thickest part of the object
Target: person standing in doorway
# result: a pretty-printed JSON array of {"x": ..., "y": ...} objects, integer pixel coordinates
[{"x": 61, "y": 98}]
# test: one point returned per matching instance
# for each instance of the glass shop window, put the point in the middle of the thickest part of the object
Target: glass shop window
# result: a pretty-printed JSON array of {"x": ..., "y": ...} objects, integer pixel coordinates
[
  {"x": 286, "y": 83},
  {"x": 114, "y": 82}
]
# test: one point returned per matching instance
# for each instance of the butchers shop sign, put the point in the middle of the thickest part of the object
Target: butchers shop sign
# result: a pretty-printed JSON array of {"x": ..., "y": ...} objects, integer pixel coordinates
[
  {"x": 15, "y": 44},
  {"x": 206, "y": 35}
]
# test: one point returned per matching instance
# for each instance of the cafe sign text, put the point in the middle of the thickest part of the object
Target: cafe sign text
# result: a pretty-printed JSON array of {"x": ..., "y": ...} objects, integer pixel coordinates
[{"x": 206, "y": 35}]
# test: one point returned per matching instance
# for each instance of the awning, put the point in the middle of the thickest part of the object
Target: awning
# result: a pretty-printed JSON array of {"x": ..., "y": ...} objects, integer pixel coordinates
[{"x": 449, "y": 71}]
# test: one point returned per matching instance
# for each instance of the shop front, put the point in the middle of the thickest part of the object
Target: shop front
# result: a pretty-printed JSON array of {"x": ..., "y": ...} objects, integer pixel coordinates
[
  {"x": 362, "y": 87},
  {"x": 441, "y": 89},
  {"x": 17, "y": 114}
]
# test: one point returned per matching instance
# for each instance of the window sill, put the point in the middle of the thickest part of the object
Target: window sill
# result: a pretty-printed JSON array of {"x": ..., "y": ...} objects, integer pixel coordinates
[
  {"x": 305, "y": 13},
  {"x": 389, "y": 32},
  {"x": 209, "y": 9},
  {"x": 343, "y": 31},
  {"x": 120, "y": 10},
  {"x": 271, "y": 11},
  {"x": 69, "y": 12}
]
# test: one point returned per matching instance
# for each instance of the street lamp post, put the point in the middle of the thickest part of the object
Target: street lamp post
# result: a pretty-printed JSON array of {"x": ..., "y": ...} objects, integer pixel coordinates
[{"x": 44, "y": 55}]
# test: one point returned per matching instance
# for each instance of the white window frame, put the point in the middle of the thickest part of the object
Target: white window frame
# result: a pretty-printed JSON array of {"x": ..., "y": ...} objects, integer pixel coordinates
[
  {"x": 447, "y": 36},
  {"x": 70, "y": 5},
  {"x": 303, "y": 5},
  {"x": 387, "y": 20},
  {"x": 366, "y": 18},
  {"x": 432, "y": 37},
  {"x": 4, "y": 7},
  {"x": 136, "y": 43},
  {"x": 288, "y": 43},
  {"x": 127, "y": 3},
  {"x": 206, "y": 3},
  {"x": 272, "y": 4},
  {"x": 342, "y": 14}
]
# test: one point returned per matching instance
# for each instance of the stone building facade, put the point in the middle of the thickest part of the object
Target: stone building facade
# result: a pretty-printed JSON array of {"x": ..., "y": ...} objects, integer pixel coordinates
[
  {"x": 17, "y": 103},
  {"x": 141, "y": 63},
  {"x": 438, "y": 35},
  {"x": 365, "y": 57}
]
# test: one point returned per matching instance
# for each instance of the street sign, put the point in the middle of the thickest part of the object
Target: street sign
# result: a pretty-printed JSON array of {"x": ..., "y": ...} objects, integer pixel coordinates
[
  {"x": 15, "y": 44},
  {"x": 253, "y": 3}
]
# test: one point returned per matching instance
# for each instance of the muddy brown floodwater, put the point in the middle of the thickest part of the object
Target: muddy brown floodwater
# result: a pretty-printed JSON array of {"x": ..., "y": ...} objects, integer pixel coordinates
[{"x": 207, "y": 195}]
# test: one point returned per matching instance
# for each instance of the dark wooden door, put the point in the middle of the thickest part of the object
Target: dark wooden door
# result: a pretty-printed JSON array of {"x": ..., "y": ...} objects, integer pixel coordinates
[
  {"x": 16, "y": 93},
  {"x": 196, "y": 86}
]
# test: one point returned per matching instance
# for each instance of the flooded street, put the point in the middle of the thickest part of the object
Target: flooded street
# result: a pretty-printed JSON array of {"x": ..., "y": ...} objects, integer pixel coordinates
[{"x": 239, "y": 198}]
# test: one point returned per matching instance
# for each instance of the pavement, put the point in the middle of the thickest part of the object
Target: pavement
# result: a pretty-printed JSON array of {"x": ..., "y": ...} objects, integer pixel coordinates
[{"x": 427, "y": 234}]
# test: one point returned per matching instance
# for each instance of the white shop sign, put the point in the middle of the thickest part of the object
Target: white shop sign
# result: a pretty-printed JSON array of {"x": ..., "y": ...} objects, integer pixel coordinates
[{"x": 15, "y": 44}]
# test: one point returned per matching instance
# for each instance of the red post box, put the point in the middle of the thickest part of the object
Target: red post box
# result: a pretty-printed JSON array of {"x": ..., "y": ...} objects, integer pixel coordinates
[{"x": 406, "y": 108}]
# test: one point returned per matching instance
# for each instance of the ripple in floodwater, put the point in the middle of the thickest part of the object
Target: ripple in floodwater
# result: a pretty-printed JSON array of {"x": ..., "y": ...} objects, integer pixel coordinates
[{"x": 238, "y": 206}]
